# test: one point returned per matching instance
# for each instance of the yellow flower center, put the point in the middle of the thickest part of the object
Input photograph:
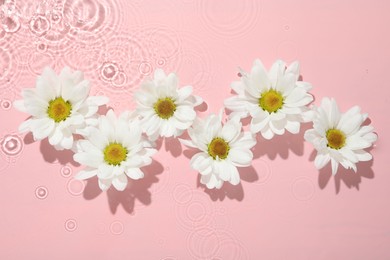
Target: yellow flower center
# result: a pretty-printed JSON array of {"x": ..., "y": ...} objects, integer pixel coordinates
[
  {"x": 115, "y": 153},
  {"x": 336, "y": 138},
  {"x": 218, "y": 147},
  {"x": 165, "y": 107},
  {"x": 271, "y": 100},
  {"x": 59, "y": 109}
]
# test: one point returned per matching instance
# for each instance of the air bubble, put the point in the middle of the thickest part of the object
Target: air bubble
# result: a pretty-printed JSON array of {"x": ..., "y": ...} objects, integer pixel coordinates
[
  {"x": 39, "y": 25},
  {"x": 116, "y": 228},
  {"x": 6, "y": 104},
  {"x": 41, "y": 192},
  {"x": 12, "y": 145},
  {"x": 41, "y": 47},
  {"x": 70, "y": 225},
  {"x": 66, "y": 171},
  {"x": 75, "y": 187},
  {"x": 145, "y": 68}
]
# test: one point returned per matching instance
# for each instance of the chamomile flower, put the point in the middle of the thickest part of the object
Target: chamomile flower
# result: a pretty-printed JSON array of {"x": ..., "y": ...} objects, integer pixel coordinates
[
  {"x": 276, "y": 101},
  {"x": 114, "y": 151},
  {"x": 59, "y": 106},
  {"x": 339, "y": 137},
  {"x": 165, "y": 109},
  {"x": 223, "y": 148}
]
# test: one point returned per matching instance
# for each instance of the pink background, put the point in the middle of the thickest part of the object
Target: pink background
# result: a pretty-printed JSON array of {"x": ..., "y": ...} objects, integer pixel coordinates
[{"x": 283, "y": 209}]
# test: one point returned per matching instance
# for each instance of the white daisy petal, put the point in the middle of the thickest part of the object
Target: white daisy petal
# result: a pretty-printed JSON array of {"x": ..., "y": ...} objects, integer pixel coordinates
[
  {"x": 86, "y": 174},
  {"x": 240, "y": 157},
  {"x": 58, "y": 107},
  {"x": 160, "y": 100},
  {"x": 340, "y": 138},
  {"x": 104, "y": 184},
  {"x": 135, "y": 173},
  {"x": 115, "y": 149},
  {"x": 120, "y": 182},
  {"x": 321, "y": 160},
  {"x": 271, "y": 96}
]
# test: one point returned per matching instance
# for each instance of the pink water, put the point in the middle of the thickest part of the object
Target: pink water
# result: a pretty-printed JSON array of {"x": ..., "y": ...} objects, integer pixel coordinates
[{"x": 283, "y": 209}]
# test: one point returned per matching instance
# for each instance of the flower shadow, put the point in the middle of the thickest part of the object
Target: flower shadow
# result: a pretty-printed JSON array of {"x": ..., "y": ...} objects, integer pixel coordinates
[
  {"x": 348, "y": 177},
  {"x": 135, "y": 190},
  {"x": 233, "y": 192},
  {"x": 173, "y": 146},
  {"x": 281, "y": 145},
  {"x": 51, "y": 155}
]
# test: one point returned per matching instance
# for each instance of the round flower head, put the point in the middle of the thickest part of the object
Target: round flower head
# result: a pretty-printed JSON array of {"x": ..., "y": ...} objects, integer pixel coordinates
[
  {"x": 275, "y": 100},
  {"x": 165, "y": 109},
  {"x": 339, "y": 138},
  {"x": 223, "y": 148},
  {"x": 113, "y": 151},
  {"x": 59, "y": 107}
]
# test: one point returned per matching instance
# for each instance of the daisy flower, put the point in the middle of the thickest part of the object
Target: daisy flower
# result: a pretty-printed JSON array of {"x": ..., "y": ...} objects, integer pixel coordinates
[
  {"x": 275, "y": 100},
  {"x": 59, "y": 107},
  {"x": 339, "y": 138},
  {"x": 165, "y": 109},
  {"x": 223, "y": 148},
  {"x": 113, "y": 151}
]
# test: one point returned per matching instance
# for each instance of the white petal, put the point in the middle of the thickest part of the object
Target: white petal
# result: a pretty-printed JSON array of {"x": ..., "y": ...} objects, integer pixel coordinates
[
  {"x": 267, "y": 133},
  {"x": 79, "y": 92},
  {"x": 135, "y": 173},
  {"x": 321, "y": 160},
  {"x": 277, "y": 126},
  {"x": 335, "y": 166},
  {"x": 235, "y": 177},
  {"x": 202, "y": 162},
  {"x": 294, "y": 69},
  {"x": 276, "y": 72},
  {"x": 363, "y": 155},
  {"x": 184, "y": 92},
  {"x": 104, "y": 184},
  {"x": 245, "y": 141},
  {"x": 240, "y": 157},
  {"x": 293, "y": 126},
  {"x": 19, "y": 105},
  {"x": 231, "y": 130},
  {"x": 86, "y": 174},
  {"x": 185, "y": 113},
  {"x": 105, "y": 171},
  {"x": 259, "y": 123},
  {"x": 89, "y": 159},
  {"x": 120, "y": 182},
  {"x": 56, "y": 136}
]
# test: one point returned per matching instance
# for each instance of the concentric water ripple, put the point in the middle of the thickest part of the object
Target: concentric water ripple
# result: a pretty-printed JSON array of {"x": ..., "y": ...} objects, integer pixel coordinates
[
  {"x": 230, "y": 19},
  {"x": 97, "y": 16},
  {"x": 197, "y": 213}
]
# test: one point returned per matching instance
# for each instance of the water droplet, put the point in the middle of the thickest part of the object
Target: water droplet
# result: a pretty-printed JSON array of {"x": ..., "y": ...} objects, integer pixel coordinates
[
  {"x": 120, "y": 79},
  {"x": 145, "y": 68},
  {"x": 41, "y": 47},
  {"x": 41, "y": 192},
  {"x": 70, "y": 225},
  {"x": 9, "y": 17},
  {"x": 116, "y": 228},
  {"x": 75, "y": 187},
  {"x": 286, "y": 27},
  {"x": 6, "y": 104},
  {"x": 66, "y": 171},
  {"x": 11, "y": 145},
  {"x": 161, "y": 62},
  {"x": 109, "y": 71},
  {"x": 39, "y": 25},
  {"x": 56, "y": 17},
  {"x": 182, "y": 194}
]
